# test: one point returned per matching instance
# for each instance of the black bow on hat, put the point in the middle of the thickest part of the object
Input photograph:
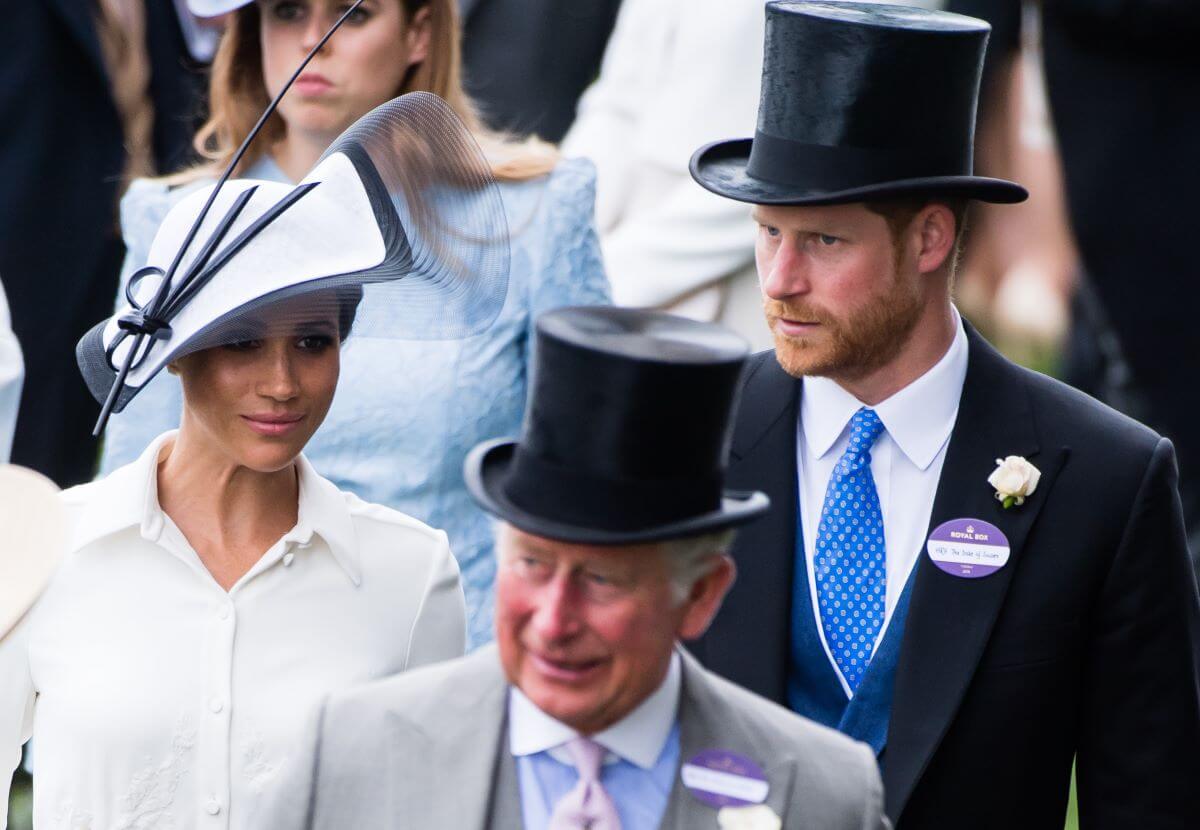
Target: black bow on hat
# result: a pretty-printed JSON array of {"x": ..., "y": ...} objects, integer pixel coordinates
[
  {"x": 401, "y": 210},
  {"x": 859, "y": 101}
]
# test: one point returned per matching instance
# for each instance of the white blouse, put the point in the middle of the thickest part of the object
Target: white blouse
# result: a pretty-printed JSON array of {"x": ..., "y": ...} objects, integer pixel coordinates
[{"x": 161, "y": 701}]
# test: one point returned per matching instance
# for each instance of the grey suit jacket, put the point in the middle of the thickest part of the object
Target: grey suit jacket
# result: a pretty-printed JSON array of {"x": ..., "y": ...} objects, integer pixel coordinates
[{"x": 428, "y": 749}]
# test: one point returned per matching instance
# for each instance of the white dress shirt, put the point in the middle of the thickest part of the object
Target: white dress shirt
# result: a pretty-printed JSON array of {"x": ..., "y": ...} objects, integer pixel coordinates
[
  {"x": 159, "y": 700},
  {"x": 640, "y": 761},
  {"x": 906, "y": 462},
  {"x": 12, "y": 375}
]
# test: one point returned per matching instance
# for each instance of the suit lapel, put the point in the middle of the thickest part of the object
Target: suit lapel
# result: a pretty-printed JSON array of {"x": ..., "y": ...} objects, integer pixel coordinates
[
  {"x": 468, "y": 740},
  {"x": 706, "y": 721},
  {"x": 79, "y": 18},
  {"x": 696, "y": 734},
  {"x": 950, "y": 619},
  {"x": 505, "y": 811},
  {"x": 748, "y": 642}
]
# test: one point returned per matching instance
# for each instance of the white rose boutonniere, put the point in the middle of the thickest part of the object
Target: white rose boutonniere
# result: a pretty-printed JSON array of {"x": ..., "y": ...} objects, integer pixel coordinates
[
  {"x": 1014, "y": 479},
  {"x": 753, "y": 817}
]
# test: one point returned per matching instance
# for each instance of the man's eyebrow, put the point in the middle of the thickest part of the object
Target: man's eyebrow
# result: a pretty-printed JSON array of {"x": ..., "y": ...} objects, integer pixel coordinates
[{"x": 529, "y": 545}]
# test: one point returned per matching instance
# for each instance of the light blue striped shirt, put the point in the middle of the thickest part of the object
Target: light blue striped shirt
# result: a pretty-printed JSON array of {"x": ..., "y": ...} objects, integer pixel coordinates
[{"x": 639, "y": 769}]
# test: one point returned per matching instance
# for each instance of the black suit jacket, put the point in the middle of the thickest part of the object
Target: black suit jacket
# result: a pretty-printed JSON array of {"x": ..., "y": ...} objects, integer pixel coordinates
[
  {"x": 61, "y": 159},
  {"x": 1085, "y": 644},
  {"x": 1122, "y": 78},
  {"x": 528, "y": 61}
]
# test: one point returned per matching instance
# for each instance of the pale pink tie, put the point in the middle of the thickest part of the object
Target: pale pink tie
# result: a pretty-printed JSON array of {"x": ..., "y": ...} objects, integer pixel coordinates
[{"x": 588, "y": 806}]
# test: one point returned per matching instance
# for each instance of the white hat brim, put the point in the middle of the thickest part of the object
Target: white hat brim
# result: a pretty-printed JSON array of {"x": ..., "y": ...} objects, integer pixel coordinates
[
  {"x": 215, "y": 8},
  {"x": 32, "y": 540},
  {"x": 288, "y": 253}
]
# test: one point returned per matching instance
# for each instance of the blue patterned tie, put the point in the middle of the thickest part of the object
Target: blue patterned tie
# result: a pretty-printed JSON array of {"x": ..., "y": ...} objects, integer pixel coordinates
[{"x": 850, "y": 559}]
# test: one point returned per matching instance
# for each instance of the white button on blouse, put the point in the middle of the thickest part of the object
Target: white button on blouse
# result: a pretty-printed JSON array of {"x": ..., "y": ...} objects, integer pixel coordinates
[{"x": 159, "y": 700}]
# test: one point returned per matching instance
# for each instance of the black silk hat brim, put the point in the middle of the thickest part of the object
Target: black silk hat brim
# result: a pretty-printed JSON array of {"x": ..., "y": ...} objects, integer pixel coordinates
[
  {"x": 720, "y": 167},
  {"x": 487, "y": 467}
]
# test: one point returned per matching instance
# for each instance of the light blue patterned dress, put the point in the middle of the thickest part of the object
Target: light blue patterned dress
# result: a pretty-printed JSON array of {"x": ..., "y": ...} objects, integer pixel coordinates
[{"x": 407, "y": 412}]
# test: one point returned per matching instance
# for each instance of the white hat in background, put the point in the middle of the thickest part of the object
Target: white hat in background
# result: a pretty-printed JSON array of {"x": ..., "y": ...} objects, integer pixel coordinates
[
  {"x": 32, "y": 540},
  {"x": 215, "y": 8}
]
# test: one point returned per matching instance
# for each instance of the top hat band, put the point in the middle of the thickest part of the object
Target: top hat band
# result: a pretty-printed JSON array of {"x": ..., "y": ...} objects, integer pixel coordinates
[
  {"x": 575, "y": 497},
  {"x": 821, "y": 167}
]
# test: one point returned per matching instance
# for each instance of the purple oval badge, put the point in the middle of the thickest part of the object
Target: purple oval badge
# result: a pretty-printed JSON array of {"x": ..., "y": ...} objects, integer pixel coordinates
[
  {"x": 724, "y": 779},
  {"x": 969, "y": 548}
]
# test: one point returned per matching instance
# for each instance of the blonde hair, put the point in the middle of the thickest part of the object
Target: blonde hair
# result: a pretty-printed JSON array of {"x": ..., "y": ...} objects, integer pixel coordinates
[{"x": 238, "y": 96}]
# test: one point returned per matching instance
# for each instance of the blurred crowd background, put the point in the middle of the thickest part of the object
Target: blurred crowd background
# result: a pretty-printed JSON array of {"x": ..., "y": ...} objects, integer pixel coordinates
[{"x": 1094, "y": 105}]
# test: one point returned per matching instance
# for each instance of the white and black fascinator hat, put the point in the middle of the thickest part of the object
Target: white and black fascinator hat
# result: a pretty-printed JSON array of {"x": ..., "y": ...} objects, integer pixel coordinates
[{"x": 401, "y": 210}]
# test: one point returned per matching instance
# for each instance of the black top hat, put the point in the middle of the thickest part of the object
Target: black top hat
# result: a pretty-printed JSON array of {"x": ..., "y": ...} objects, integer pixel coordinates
[
  {"x": 627, "y": 434},
  {"x": 859, "y": 101}
]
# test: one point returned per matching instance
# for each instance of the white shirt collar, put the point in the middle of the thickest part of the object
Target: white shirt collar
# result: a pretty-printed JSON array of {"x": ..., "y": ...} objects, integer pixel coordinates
[
  {"x": 919, "y": 418},
  {"x": 129, "y": 497},
  {"x": 638, "y": 737}
]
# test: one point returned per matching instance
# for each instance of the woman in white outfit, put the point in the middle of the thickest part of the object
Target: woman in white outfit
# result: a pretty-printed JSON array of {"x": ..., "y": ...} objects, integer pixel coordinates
[{"x": 218, "y": 587}]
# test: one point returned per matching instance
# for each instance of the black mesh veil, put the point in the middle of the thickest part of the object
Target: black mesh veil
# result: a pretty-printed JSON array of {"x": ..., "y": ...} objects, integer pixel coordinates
[
  {"x": 442, "y": 219},
  {"x": 398, "y": 232}
]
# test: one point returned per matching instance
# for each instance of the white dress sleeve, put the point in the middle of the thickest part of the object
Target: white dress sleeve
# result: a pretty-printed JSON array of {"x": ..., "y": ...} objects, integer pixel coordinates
[
  {"x": 669, "y": 84},
  {"x": 16, "y": 707},
  {"x": 610, "y": 109},
  {"x": 12, "y": 375},
  {"x": 439, "y": 631},
  {"x": 689, "y": 240}
]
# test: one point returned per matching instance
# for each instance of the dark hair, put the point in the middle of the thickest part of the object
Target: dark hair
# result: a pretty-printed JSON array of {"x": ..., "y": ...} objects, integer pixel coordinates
[
  {"x": 348, "y": 298},
  {"x": 900, "y": 211}
]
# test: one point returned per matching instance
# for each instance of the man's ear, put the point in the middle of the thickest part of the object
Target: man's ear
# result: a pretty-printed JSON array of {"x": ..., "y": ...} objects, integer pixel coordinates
[
  {"x": 704, "y": 600},
  {"x": 936, "y": 233}
]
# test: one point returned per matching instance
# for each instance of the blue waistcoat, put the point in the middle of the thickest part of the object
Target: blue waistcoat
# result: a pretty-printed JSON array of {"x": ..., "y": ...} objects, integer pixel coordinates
[{"x": 814, "y": 689}]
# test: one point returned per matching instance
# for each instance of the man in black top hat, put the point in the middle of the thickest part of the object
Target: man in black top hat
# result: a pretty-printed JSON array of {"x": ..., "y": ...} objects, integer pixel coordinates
[
  {"x": 611, "y": 548},
  {"x": 975, "y": 569}
]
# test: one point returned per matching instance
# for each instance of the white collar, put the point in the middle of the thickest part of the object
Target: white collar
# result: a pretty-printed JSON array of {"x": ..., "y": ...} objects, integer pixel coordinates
[
  {"x": 638, "y": 737},
  {"x": 129, "y": 497},
  {"x": 919, "y": 418}
]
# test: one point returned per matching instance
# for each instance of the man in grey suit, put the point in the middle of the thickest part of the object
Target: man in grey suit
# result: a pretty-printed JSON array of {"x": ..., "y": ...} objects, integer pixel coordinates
[{"x": 586, "y": 713}]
